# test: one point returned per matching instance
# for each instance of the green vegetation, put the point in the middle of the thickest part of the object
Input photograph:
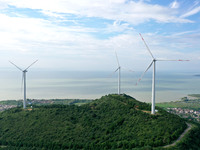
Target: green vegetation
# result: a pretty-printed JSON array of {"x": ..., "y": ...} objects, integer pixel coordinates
[
  {"x": 191, "y": 141},
  {"x": 11, "y": 102},
  {"x": 46, "y": 102},
  {"x": 117, "y": 122},
  {"x": 195, "y": 95},
  {"x": 185, "y": 103},
  {"x": 180, "y": 104},
  {"x": 188, "y": 107},
  {"x": 70, "y": 101}
]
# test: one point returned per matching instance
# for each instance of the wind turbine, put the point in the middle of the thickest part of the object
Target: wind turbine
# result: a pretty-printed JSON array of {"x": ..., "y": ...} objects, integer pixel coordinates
[
  {"x": 154, "y": 74},
  {"x": 24, "y": 79},
  {"x": 119, "y": 74}
]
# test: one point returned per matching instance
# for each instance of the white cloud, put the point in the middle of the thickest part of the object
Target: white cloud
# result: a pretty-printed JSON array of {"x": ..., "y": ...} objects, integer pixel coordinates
[
  {"x": 3, "y": 4},
  {"x": 174, "y": 4},
  {"x": 191, "y": 12},
  {"x": 196, "y": 2},
  {"x": 51, "y": 14},
  {"x": 32, "y": 38},
  {"x": 24, "y": 39},
  {"x": 76, "y": 46},
  {"x": 118, "y": 27},
  {"x": 129, "y": 11}
]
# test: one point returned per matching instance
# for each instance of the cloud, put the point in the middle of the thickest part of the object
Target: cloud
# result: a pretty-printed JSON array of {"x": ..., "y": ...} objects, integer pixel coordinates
[
  {"x": 25, "y": 39},
  {"x": 174, "y": 4},
  {"x": 51, "y": 14},
  {"x": 71, "y": 47},
  {"x": 196, "y": 2},
  {"x": 3, "y": 4},
  {"x": 124, "y": 10},
  {"x": 118, "y": 27},
  {"x": 191, "y": 12},
  {"x": 58, "y": 43}
]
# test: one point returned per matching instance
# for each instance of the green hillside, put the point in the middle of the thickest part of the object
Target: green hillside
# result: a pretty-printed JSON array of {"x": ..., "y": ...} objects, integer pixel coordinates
[{"x": 111, "y": 122}]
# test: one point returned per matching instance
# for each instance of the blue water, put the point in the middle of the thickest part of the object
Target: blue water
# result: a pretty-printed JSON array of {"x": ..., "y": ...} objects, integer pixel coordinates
[{"x": 170, "y": 86}]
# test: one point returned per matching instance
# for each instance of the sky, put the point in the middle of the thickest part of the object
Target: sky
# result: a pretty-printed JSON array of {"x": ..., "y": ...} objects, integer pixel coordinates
[{"x": 84, "y": 34}]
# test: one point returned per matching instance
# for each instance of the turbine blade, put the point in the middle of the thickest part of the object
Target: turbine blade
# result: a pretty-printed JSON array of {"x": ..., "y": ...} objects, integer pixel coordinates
[
  {"x": 31, "y": 64},
  {"x": 146, "y": 46},
  {"x": 183, "y": 60},
  {"x": 117, "y": 58},
  {"x": 144, "y": 72},
  {"x": 171, "y": 60},
  {"x": 22, "y": 82},
  {"x": 113, "y": 72},
  {"x": 127, "y": 69},
  {"x": 16, "y": 66}
]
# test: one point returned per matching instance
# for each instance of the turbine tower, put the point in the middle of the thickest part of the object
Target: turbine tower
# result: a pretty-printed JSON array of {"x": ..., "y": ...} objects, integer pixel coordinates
[
  {"x": 154, "y": 74},
  {"x": 119, "y": 74},
  {"x": 24, "y": 80}
]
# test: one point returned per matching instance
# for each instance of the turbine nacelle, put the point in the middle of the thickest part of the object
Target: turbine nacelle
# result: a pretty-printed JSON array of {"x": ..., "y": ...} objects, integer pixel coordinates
[{"x": 118, "y": 69}]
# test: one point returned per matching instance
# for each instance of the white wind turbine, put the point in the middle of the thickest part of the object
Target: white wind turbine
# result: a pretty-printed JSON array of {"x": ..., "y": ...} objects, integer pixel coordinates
[
  {"x": 119, "y": 74},
  {"x": 24, "y": 79},
  {"x": 154, "y": 74}
]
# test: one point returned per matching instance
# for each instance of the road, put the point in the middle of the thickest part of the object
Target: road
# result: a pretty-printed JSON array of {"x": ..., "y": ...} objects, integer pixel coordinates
[{"x": 181, "y": 136}]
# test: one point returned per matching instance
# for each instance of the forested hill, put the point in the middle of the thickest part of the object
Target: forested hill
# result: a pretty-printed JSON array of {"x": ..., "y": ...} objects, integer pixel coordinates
[{"x": 111, "y": 122}]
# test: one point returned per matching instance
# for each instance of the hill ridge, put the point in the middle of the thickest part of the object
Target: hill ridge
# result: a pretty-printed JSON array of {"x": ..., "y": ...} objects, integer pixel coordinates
[{"x": 102, "y": 124}]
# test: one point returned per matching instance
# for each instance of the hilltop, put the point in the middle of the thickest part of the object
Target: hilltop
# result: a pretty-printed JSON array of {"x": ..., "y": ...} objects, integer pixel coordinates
[{"x": 111, "y": 122}]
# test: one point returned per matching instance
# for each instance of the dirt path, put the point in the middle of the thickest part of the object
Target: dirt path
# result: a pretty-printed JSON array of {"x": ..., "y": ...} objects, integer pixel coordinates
[{"x": 181, "y": 136}]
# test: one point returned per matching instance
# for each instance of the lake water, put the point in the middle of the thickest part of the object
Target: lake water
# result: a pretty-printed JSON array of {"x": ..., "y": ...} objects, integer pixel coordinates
[{"x": 170, "y": 86}]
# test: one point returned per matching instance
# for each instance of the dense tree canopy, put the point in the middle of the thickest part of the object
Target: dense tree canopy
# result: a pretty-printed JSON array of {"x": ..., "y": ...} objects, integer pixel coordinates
[{"x": 113, "y": 121}]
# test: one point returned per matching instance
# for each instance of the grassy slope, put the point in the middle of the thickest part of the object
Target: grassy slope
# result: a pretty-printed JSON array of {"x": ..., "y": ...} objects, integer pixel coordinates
[
  {"x": 191, "y": 104},
  {"x": 110, "y": 122}
]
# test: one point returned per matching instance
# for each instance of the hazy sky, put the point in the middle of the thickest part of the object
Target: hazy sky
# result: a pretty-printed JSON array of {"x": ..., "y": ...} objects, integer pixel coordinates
[{"x": 83, "y": 34}]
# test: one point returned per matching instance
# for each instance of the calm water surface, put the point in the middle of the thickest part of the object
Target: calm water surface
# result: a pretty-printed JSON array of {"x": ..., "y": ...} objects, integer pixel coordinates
[{"x": 170, "y": 86}]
